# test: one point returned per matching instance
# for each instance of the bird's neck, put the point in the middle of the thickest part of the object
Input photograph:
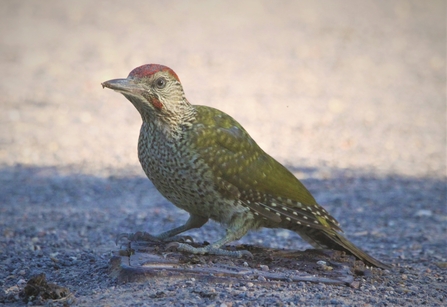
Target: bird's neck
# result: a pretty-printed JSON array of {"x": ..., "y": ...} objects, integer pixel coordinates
[{"x": 173, "y": 123}]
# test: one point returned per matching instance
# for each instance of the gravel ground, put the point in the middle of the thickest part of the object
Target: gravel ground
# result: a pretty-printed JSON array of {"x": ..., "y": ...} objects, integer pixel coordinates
[{"x": 349, "y": 95}]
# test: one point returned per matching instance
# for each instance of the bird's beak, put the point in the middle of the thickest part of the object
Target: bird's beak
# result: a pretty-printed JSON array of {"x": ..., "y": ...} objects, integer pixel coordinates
[{"x": 125, "y": 86}]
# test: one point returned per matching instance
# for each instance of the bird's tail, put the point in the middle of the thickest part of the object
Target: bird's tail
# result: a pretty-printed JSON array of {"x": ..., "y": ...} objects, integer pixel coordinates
[{"x": 333, "y": 240}]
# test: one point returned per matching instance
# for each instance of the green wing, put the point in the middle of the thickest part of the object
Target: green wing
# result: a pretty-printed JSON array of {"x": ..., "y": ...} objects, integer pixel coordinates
[
  {"x": 234, "y": 156},
  {"x": 247, "y": 173}
]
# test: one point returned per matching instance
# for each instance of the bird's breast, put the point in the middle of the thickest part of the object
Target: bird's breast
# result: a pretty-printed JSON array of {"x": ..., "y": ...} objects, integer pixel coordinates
[
  {"x": 178, "y": 173},
  {"x": 167, "y": 162}
]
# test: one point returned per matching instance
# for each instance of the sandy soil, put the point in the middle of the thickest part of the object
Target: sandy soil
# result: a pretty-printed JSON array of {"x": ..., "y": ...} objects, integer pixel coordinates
[{"x": 349, "y": 96}]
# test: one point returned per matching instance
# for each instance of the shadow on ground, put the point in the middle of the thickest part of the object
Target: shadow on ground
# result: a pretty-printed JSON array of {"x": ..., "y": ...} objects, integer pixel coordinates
[{"x": 63, "y": 223}]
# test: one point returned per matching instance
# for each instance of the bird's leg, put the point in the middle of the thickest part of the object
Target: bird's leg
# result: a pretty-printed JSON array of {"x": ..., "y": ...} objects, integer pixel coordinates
[
  {"x": 194, "y": 221},
  {"x": 233, "y": 233}
]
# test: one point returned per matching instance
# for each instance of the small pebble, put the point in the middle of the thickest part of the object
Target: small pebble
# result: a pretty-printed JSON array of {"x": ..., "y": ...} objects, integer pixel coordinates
[
  {"x": 264, "y": 267},
  {"x": 355, "y": 284},
  {"x": 21, "y": 282},
  {"x": 321, "y": 262},
  {"x": 423, "y": 213}
]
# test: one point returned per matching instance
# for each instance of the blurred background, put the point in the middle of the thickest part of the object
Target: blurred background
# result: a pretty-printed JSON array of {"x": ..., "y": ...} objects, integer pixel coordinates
[{"x": 337, "y": 84}]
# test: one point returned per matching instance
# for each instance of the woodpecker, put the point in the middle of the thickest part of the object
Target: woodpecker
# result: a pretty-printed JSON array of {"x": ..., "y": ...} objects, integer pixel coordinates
[{"x": 204, "y": 162}]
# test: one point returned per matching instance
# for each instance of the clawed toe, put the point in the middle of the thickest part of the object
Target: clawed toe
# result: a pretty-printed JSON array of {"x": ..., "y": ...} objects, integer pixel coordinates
[
  {"x": 247, "y": 254},
  {"x": 137, "y": 236},
  {"x": 179, "y": 243},
  {"x": 147, "y": 237},
  {"x": 181, "y": 239}
]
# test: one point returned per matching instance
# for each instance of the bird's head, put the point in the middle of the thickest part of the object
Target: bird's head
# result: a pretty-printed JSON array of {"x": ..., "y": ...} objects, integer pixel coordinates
[{"x": 155, "y": 90}]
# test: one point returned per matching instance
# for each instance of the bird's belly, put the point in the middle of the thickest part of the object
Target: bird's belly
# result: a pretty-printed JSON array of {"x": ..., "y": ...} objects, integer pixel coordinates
[{"x": 186, "y": 182}]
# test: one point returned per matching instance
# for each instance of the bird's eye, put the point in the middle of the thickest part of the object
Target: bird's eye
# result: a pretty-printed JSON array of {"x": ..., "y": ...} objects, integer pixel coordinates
[{"x": 160, "y": 82}]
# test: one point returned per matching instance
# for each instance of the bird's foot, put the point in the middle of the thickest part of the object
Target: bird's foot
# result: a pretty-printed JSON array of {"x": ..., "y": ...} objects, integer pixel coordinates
[
  {"x": 137, "y": 236},
  {"x": 209, "y": 250},
  {"x": 147, "y": 237}
]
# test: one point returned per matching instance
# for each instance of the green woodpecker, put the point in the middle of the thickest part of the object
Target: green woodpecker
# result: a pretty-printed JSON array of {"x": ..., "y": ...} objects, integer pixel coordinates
[{"x": 204, "y": 162}]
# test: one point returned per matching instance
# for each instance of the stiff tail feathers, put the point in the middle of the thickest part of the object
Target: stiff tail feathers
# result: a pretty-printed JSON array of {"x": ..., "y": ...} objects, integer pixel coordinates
[{"x": 334, "y": 240}]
